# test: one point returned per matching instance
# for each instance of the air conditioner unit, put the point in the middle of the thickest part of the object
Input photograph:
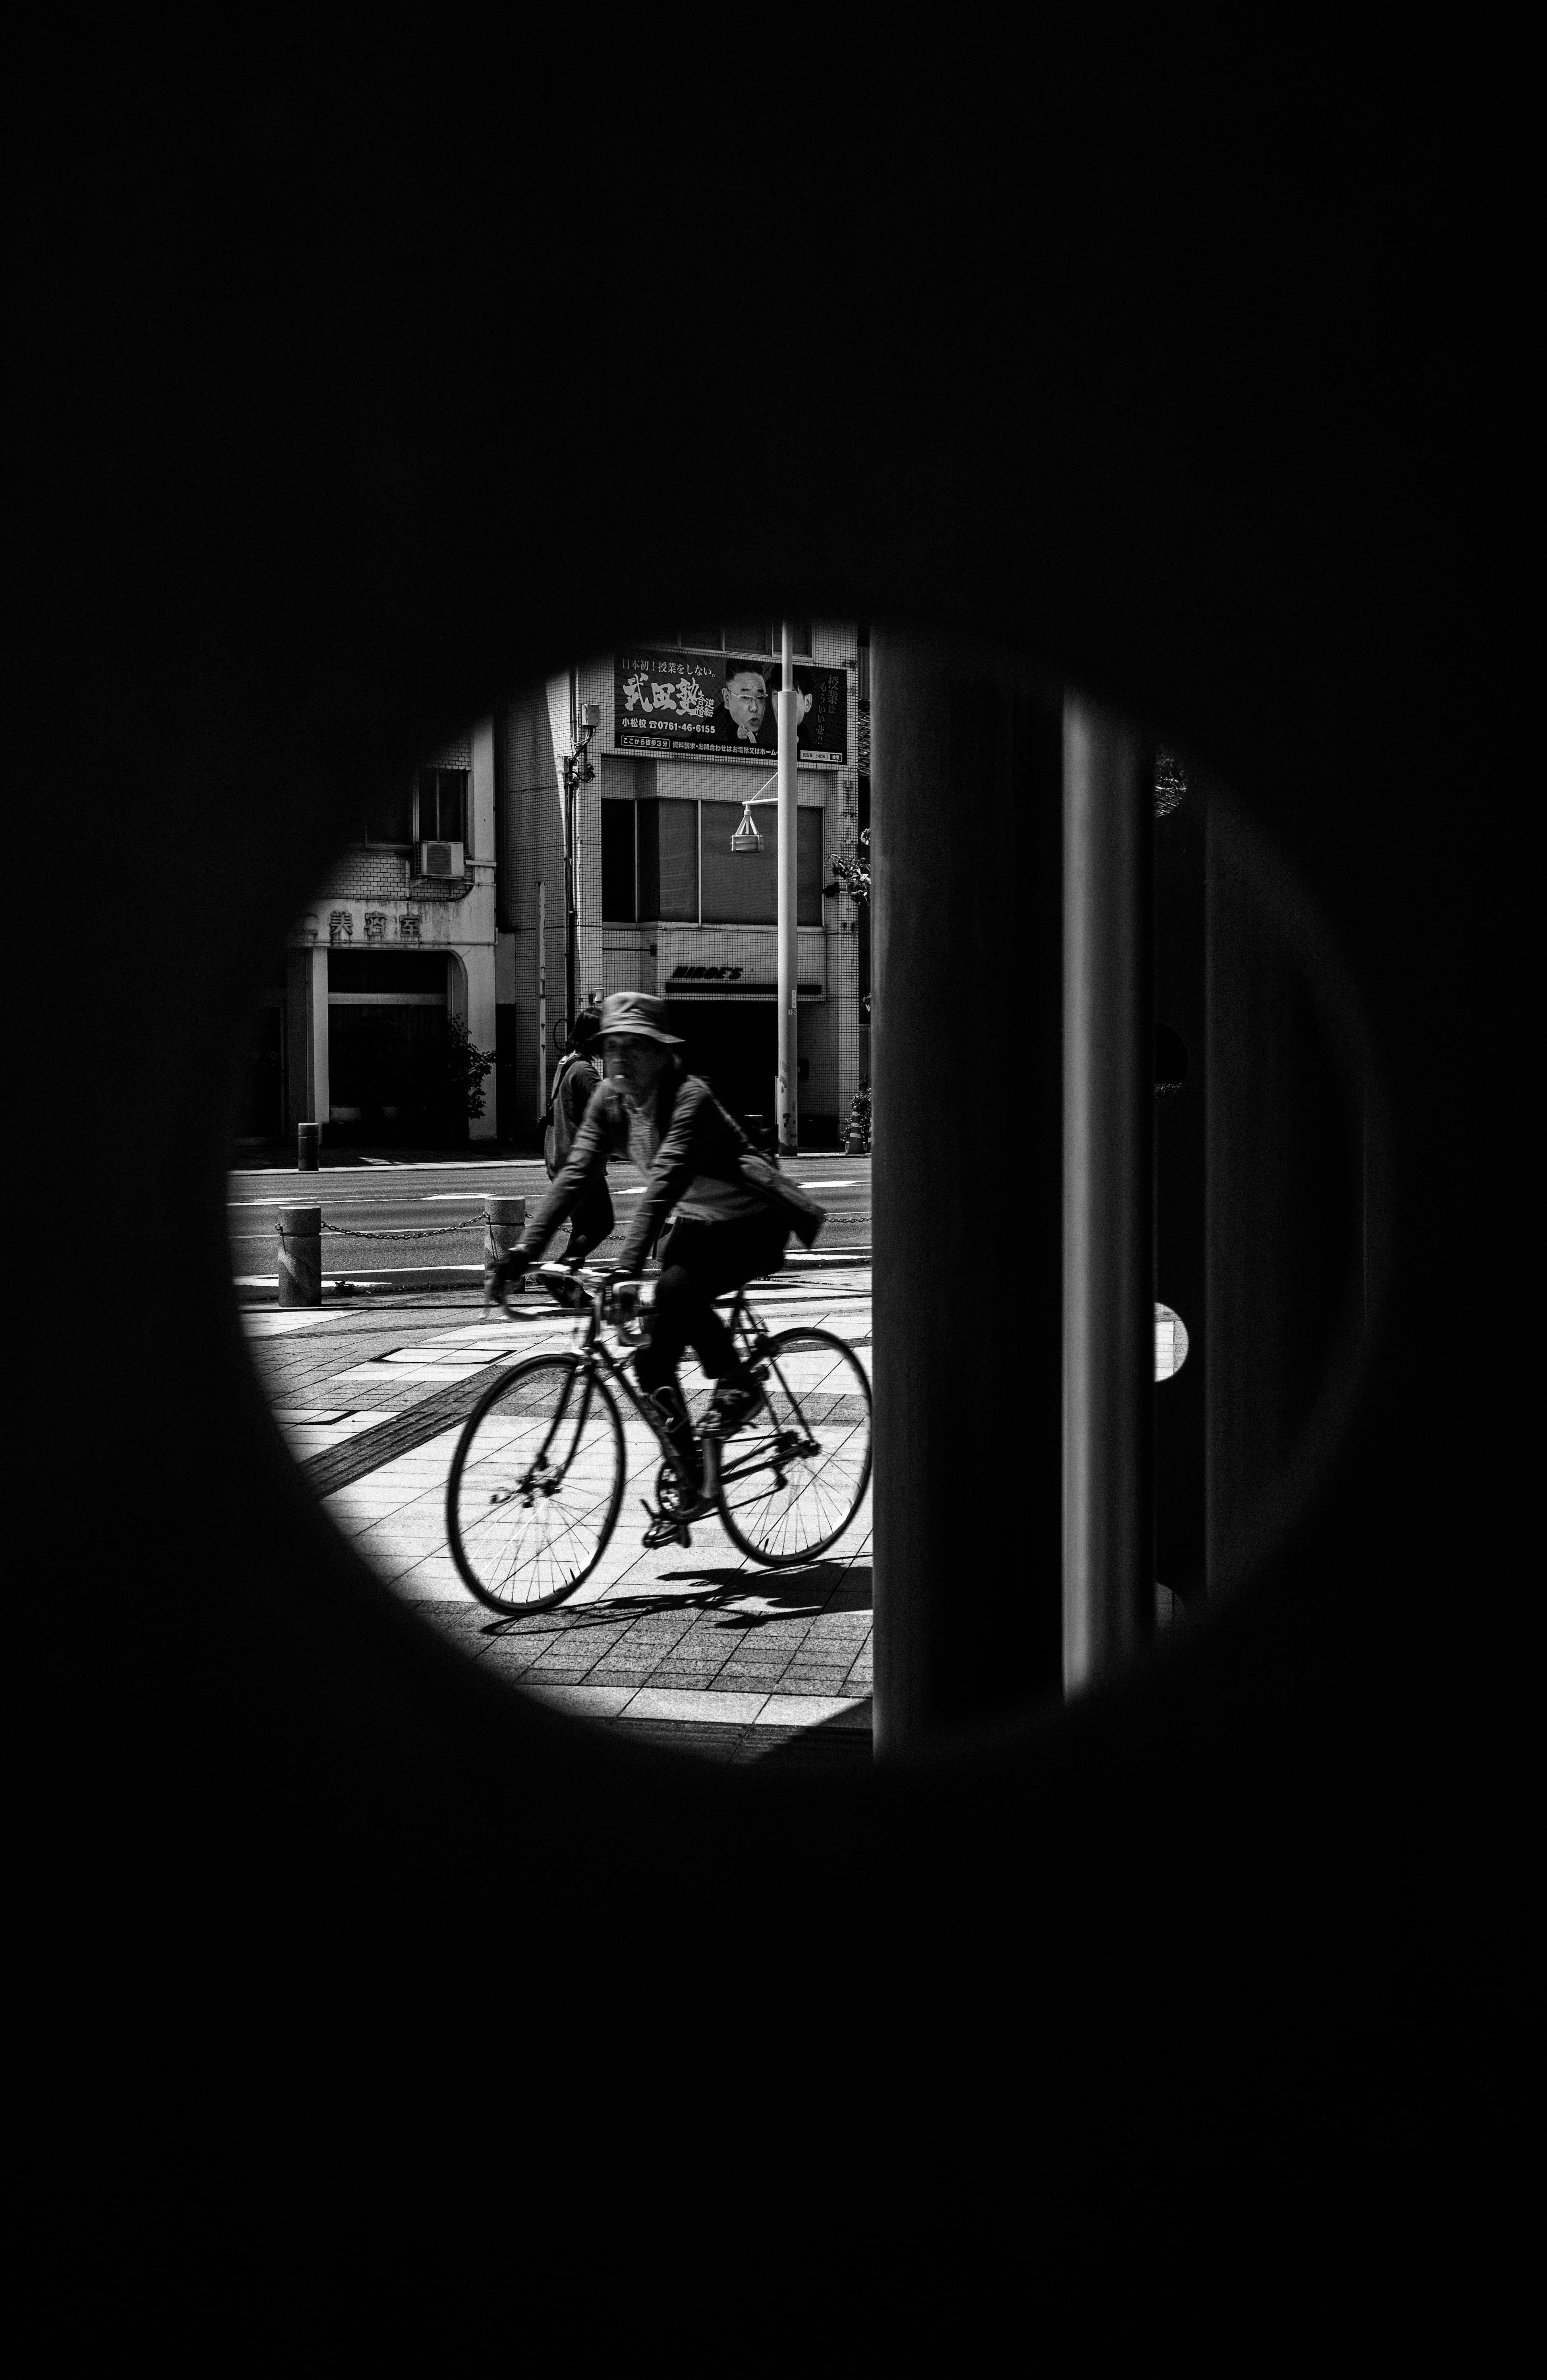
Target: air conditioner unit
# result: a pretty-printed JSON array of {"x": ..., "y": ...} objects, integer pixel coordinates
[{"x": 440, "y": 859}]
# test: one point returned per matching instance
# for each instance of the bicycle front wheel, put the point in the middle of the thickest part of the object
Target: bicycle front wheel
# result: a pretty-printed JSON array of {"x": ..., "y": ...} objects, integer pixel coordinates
[
  {"x": 535, "y": 1485},
  {"x": 793, "y": 1478}
]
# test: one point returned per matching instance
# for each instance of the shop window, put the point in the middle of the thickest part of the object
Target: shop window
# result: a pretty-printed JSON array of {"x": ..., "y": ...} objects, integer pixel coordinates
[
  {"x": 390, "y": 817},
  {"x": 443, "y": 805},
  {"x": 742, "y": 637},
  {"x": 741, "y": 887},
  {"x": 667, "y": 860},
  {"x": 619, "y": 904},
  {"x": 703, "y": 640}
]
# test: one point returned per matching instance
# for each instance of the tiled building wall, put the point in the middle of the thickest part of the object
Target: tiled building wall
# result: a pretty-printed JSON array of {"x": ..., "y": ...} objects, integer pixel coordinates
[
  {"x": 361, "y": 874},
  {"x": 457, "y": 754}
]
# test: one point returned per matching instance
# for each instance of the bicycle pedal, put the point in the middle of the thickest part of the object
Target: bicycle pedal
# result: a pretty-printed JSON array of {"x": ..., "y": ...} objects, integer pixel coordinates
[{"x": 663, "y": 1531}]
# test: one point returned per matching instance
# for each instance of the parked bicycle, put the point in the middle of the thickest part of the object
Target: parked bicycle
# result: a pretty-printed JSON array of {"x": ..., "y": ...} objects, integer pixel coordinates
[{"x": 536, "y": 1481}]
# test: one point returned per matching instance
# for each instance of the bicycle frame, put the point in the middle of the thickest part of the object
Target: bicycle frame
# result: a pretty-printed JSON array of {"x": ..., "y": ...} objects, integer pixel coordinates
[{"x": 746, "y": 1328}]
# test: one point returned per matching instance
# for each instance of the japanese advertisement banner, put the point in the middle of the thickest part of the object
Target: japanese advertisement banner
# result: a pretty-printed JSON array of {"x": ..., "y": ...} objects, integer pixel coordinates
[{"x": 722, "y": 708}]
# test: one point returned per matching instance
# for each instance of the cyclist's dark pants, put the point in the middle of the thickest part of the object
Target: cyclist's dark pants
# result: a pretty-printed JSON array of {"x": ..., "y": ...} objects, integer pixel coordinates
[
  {"x": 701, "y": 1262},
  {"x": 590, "y": 1223}
]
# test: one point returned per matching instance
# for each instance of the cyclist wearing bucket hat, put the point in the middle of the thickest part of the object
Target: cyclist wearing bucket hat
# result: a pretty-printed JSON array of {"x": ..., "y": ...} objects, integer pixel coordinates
[{"x": 734, "y": 1210}]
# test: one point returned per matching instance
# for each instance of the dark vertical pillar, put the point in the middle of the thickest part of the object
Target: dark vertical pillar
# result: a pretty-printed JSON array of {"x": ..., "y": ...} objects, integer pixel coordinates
[
  {"x": 1108, "y": 1096},
  {"x": 1283, "y": 1216},
  {"x": 1180, "y": 1131},
  {"x": 966, "y": 972}
]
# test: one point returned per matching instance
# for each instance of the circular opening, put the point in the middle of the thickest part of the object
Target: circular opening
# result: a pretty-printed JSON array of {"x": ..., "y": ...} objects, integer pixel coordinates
[{"x": 692, "y": 1576}]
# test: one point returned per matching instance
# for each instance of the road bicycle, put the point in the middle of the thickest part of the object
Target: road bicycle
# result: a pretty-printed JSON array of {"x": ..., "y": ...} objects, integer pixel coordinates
[{"x": 536, "y": 1481}]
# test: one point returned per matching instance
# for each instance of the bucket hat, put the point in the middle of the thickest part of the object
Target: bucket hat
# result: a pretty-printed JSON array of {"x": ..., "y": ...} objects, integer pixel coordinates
[{"x": 636, "y": 1012}]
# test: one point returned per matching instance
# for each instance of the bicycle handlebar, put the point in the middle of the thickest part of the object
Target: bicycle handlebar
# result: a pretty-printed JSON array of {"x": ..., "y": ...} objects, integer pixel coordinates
[{"x": 579, "y": 1285}]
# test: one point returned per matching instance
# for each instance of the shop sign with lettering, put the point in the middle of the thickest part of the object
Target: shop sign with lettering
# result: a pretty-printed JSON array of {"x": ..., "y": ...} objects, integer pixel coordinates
[{"x": 722, "y": 708}]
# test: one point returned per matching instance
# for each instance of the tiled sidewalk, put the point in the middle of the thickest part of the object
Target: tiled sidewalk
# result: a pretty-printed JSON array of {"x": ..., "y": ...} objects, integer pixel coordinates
[{"x": 697, "y": 1647}]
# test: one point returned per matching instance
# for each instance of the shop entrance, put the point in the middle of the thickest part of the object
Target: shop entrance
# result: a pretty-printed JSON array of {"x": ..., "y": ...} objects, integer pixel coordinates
[
  {"x": 734, "y": 1045},
  {"x": 389, "y": 1057}
]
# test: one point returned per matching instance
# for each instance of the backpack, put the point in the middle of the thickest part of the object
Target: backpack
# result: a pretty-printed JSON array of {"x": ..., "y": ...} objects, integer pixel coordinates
[{"x": 550, "y": 1114}]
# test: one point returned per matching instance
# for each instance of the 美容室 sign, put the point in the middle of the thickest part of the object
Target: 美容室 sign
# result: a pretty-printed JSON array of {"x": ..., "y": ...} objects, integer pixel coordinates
[{"x": 722, "y": 708}]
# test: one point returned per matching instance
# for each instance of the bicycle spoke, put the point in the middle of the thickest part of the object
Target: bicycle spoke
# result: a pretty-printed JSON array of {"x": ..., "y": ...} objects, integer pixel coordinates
[
  {"x": 535, "y": 1485},
  {"x": 795, "y": 1477}
]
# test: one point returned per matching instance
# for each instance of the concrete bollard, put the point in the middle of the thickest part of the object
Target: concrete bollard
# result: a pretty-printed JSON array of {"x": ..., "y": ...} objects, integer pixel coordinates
[
  {"x": 504, "y": 1221},
  {"x": 298, "y": 1246},
  {"x": 308, "y": 1138}
]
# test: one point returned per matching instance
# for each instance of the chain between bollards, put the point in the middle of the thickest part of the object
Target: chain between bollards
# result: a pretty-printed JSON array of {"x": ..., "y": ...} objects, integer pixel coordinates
[{"x": 298, "y": 1242}]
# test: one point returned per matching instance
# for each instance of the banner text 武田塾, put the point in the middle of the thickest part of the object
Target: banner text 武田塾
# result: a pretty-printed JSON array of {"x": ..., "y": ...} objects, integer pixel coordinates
[{"x": 722, "y": 707}]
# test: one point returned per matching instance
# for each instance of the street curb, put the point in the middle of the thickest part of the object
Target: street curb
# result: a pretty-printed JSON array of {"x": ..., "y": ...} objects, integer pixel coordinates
[{"x": 263, "y": 1289}]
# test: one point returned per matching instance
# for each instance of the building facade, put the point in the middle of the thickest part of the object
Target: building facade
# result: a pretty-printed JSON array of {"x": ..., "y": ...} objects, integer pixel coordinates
[
  {"x": 665, "y": 905},
  {"x": 390, "y": 967},
  {"x": 445, "y": 921}
]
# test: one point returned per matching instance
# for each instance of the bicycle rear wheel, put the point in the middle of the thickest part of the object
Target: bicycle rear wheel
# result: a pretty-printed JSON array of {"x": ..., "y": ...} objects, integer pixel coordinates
[
  {"x": 536, "y": 1483},
  {"x": 793, "y": 1478}
]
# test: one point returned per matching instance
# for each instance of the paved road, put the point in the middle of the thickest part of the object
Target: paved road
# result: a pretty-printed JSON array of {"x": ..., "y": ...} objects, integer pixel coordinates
[
  {"x": 430, "y": 1195},
  {"x": 692, "y": 1645}
]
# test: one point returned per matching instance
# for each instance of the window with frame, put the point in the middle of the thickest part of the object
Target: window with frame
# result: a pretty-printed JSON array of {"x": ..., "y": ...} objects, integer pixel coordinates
[
  {"x": 741, "y": 888},
  {"x": 758, "y": 638},
  {"x": 667, "y": 860},
  {"x": 443, "y": 805}
]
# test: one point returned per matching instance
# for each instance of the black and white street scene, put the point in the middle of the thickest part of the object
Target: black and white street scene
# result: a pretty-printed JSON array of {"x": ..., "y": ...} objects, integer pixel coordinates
[
  {"x": 552, "y": 1211},
  {"x": 609, "y": 841}
]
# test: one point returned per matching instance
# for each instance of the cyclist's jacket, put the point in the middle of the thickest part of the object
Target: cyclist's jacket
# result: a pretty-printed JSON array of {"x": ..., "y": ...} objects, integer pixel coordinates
[{"x": 695, "y": 1157}]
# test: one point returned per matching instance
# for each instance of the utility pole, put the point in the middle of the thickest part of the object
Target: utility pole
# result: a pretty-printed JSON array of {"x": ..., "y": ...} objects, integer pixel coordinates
[
  {"x": 572, "y": 921},
  {"x": 577, "y": 771},
  {"x": 787, "y": 1088}
]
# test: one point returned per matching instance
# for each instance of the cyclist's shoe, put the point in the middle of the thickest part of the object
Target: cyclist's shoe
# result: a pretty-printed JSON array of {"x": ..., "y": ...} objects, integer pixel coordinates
[
  {"x": 672, "y": 1528},
  {"x": 678, "y": 1432},
  {"x": 734, "y": 1402}
]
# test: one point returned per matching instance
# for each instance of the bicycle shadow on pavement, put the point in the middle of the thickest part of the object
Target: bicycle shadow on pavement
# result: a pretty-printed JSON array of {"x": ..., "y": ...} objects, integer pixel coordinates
[{"x": 814, "y": 1588}]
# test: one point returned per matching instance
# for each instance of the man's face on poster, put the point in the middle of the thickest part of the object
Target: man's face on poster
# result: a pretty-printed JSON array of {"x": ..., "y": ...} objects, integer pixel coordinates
[{"x": 746, "y": 698}]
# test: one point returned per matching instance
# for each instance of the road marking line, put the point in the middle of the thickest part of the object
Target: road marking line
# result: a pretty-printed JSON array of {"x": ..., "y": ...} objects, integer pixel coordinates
[{"x": 406, "y": 1165}]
